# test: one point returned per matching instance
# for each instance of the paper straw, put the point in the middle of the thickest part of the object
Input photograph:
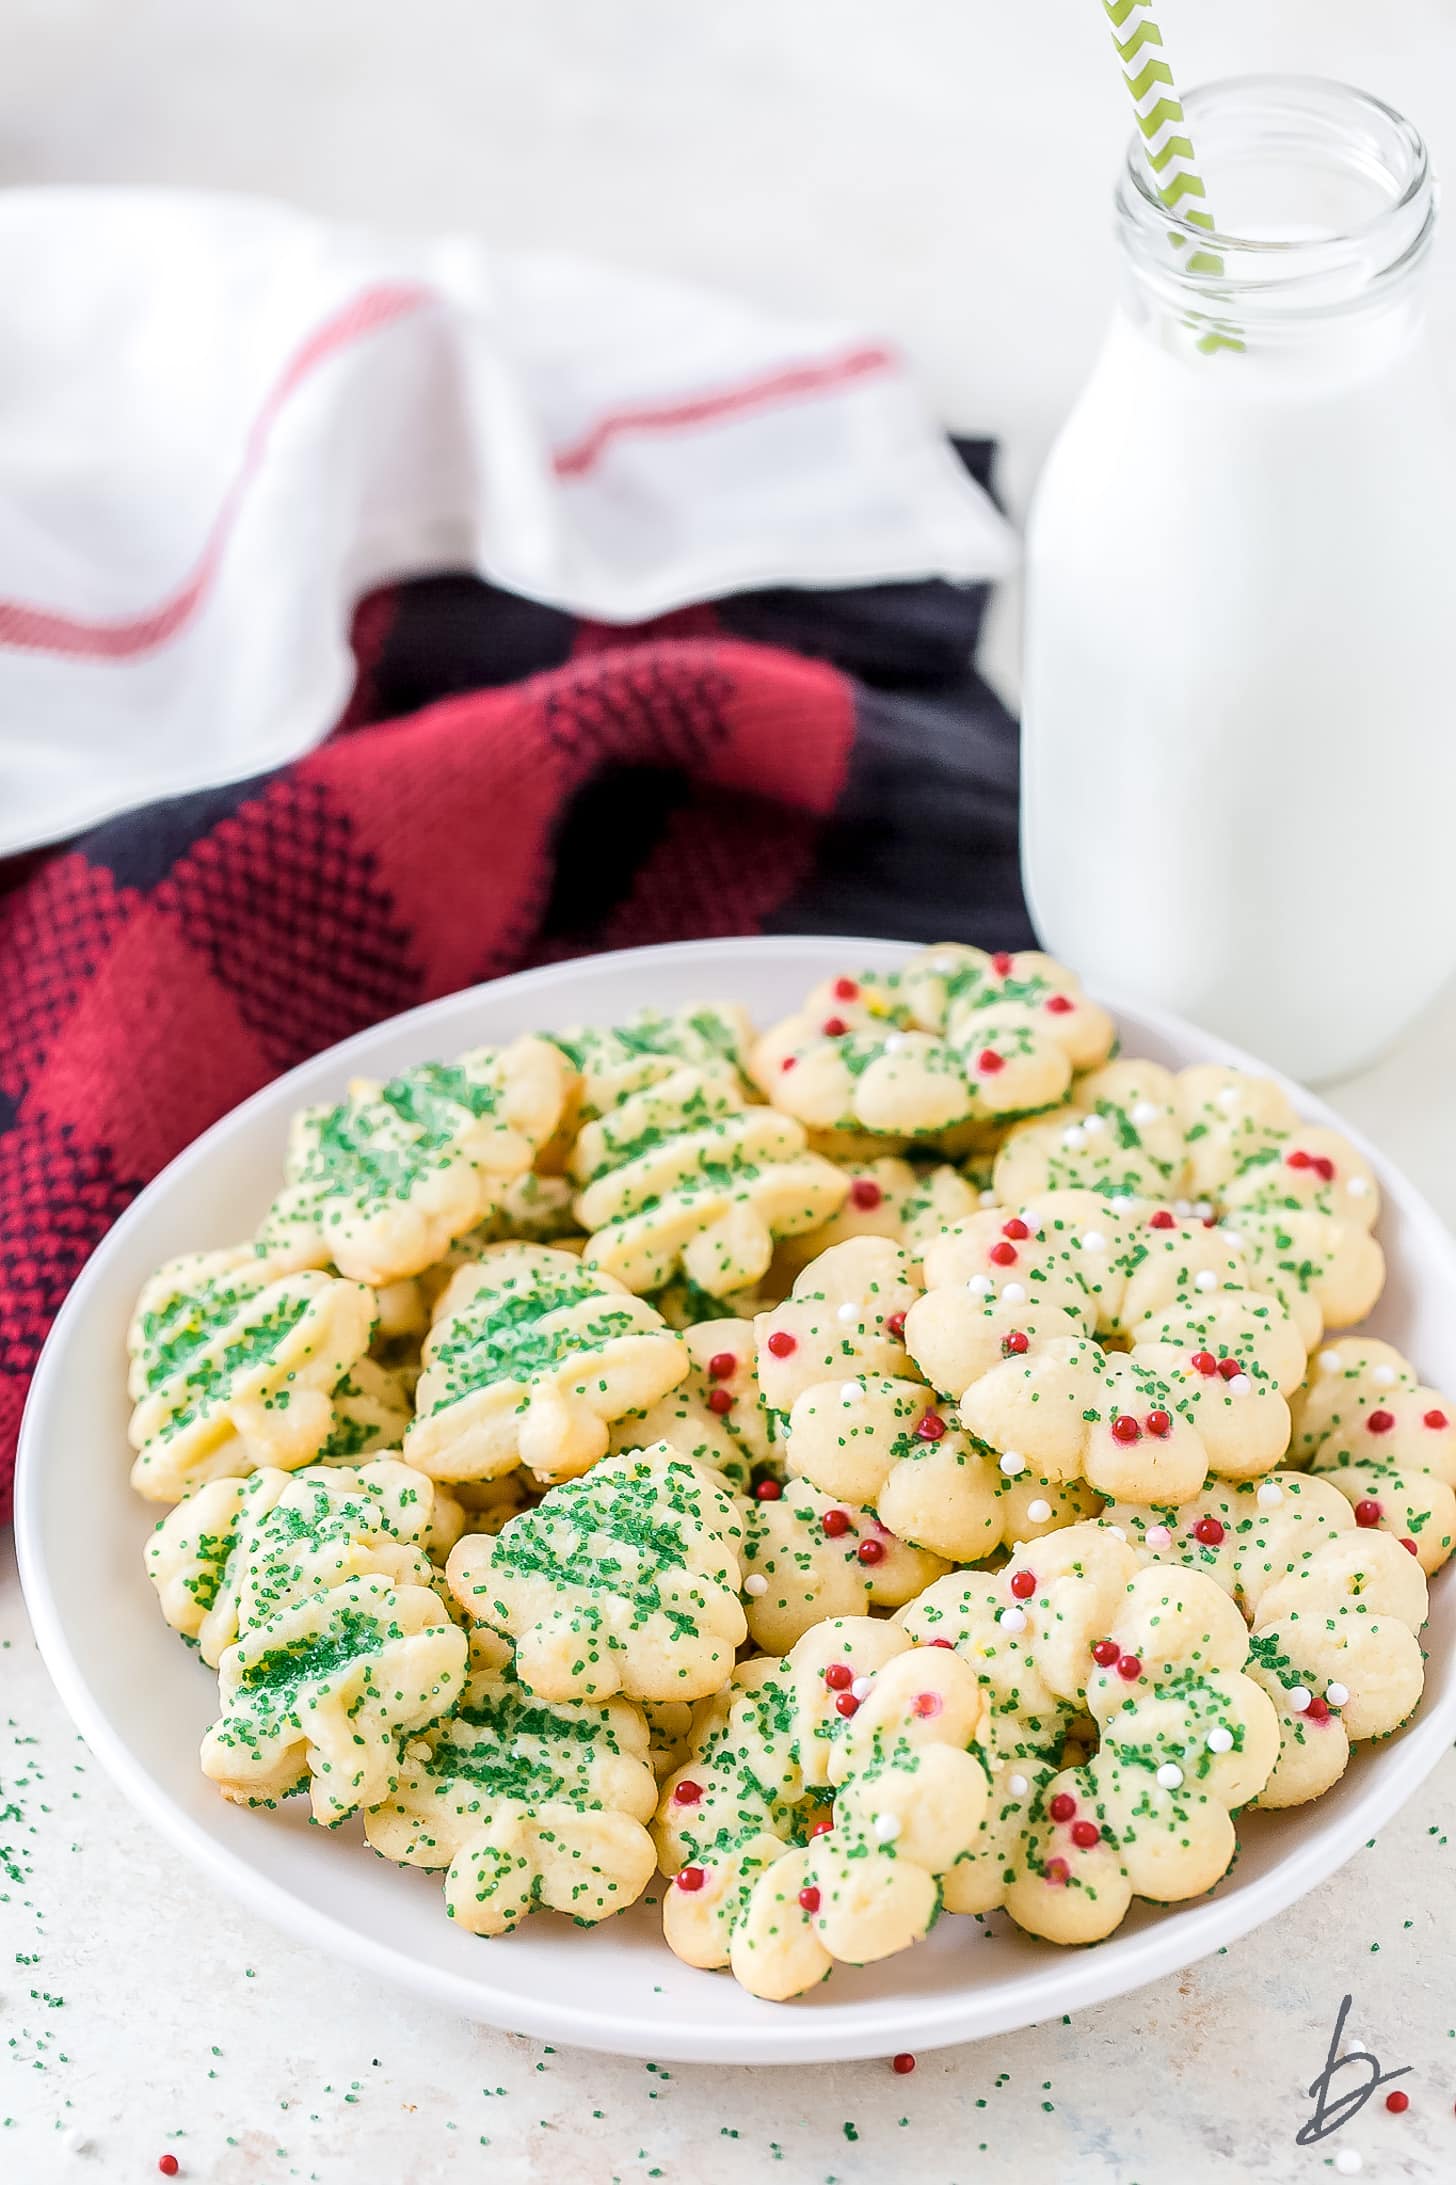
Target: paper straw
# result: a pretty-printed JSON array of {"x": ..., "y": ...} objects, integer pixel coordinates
[{"x": 1166, "y": 142}]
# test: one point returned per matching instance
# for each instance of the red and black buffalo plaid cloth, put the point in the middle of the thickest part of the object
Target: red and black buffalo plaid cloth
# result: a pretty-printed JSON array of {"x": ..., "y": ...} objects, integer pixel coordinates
[{"x": 507, "y": 787}]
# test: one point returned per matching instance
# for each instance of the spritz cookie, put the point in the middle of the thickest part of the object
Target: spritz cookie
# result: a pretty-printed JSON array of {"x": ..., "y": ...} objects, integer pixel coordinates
[
  {"x": 525, "y": 1803},
  {"x": 623, "y": 1581},
  {"x": 532, "y": 1358},
  {"x": 1365, "y": 1422},
  {"x": 234, "y": 1365},
  {"x": 383, "y": 1183},
  {"x": 909, "y": 1202}
]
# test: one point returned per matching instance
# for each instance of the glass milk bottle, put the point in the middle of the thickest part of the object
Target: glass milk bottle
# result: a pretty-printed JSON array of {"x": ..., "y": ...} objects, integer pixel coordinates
[{"x": 1239, "y": 781}]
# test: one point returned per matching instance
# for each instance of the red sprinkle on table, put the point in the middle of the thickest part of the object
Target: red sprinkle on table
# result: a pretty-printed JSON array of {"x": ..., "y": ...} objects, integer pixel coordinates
[
  {"x": 839, "y": 1676},
  {"x": 931, "y": 1427},
  {"x": 1397, "y": 2102},
  {"x": 781, "y": 1344},
  {"x": 1204, "y": 1362},
  {"x": 865, "y": 1193},
  {"x": 904, "y": 2063},
  {"x": 691, "y": 1878},
  {"x": 1015, "y": 1344},
  {"x": 834, "y": 1027},
  {"x": 719, "y": 1400},
  {"x": 1063, "y": 1806},
  {"x": 1367, "y": 1511},
  {"x": 768, "y": 1490},
  {"x": 1023, "y": 1585},
  {"x": 846, "y": 990},
  {"x": 1209, "y": 1531},
  {"x": 1159, "y": 1424},
  {"x": 1436, "y": 1419},
  {"x": 721, "y": 1364},
  {"x": 835, "y": 1522},
  {"x": 1129, "y": 1667},
  {"x": 687, "y": 1794},
  {"x": 1105, "y": 1652},
  {"x": 1085, "y": 1834},
  {"x": 1016, "y": 1229},
  {"x": 1229, "y": 1369},
  {"x": 926, "y": 1704},
  {"x": 846, "y": 1705},
  {"x": 871, "y": 1551},
  {"x": 1057, "y": 1872},
  {"x": 1162, "y": 1220},
  {"x": 1059, "y": 1004},
  {"x": 1380, "y": 1422},
  {"x": 988, "y": 1062},
  {"x": 168, "y": 2165},
  {"x": 809, "y": 1899},
  {"x": 1125, "y": 1428}
]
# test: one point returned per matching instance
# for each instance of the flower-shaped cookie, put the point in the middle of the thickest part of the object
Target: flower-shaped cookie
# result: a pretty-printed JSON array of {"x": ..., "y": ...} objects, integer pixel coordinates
[
  {"x": 532, "y": 1358},
  {"x": 808, "y": 1555},
  {"x": 234, "y": 1365},
  {"x": 1333, "y": 1605},
  {"x": 239, "y": 1550},
  {"x": 524, "y": 1802},
  {"x": 957, "y": 1038},
  {"x": 623, "y": 1581},
  {"x": 910, "y": 1202},
  {"x": 684, "y": 1174},
  {"x": 764, "y": 1879},
  {"x": 1364, "y": 1422},
  {"x": 372, "y": 1409},
  {"x": 324, "y": 1694},
  {"x": 613, "y": 1061},
  {"x": 715, "y": 1414},
  {"x": 383, "y": 1183}
]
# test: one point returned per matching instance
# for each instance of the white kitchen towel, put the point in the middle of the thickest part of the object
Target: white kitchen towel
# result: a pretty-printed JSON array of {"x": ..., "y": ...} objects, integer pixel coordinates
[{"x": 222, "y": 421}]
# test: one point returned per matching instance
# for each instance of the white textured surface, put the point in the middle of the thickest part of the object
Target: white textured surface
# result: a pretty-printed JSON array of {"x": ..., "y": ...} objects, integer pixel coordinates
[{"x": 863, "y": 158}]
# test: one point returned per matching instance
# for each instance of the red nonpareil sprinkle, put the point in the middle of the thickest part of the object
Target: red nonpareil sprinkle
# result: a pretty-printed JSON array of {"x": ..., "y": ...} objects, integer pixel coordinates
[
  {"x": 1016, "y": 1229},
  {"x": 687, "y": 1794},
  {"x": 834, "y": 1523},
  {"x": 1059, "y": 1004},
  {"x": 809, "y": 1899},
  {"x": 1129, "y": 1668},
  {"x": 1318, "y": 1710},
  {"x": 931, "y": 1427},
  {"x": 896, "y": 1324},
  {"x": 1380, "y": 1422},
  {"x": 1159, "y": 1424},
  {"x": 168, "y": 2165},
  {"x": 1085, "y": 1834},
  {"x": 927, "y": 1704},
  {"x": 1057, "y": 1872},
  {"x": 1210, "y": 1221},
  {"x": 768, "y": 1490},
  {"x": 1204, "y": 1362},
  {"x": 722, "y": 1364},
  {"x": 865, "y": 1193},
  {"x": 1435, "y": 1419},
  {"x": 1023, "y": 1584},
  {"x": 691, "y": 1878},
  {"x": 1125, "y": 1428},
  {"x": 834, "y": 1027},
  {"x": 988, "y": 1062},
  {"x": 1367, "y": 1511},
  {"x": 1162, "y": 1220},
  {"x": 1016, "y": 1344},
  {"x": 846, "y": 1705},
  {"x": 1324, "y": 1168},
  {"x": 941, "y": 1642},
  {"x": 1409, "y": 1545},
  {"x": 1001, "y": 963},
  {"x": 790, "y": 1062},
  {"x": 823, "y": 1825},
  {"x": 1299, "y": 1159},
  {"x": 781, "y": 1344},
  {"x": 1105, "y": 1652},
  {"x": 1397, "y": 2102},
  {"x": 1229, "y": 1369},
  {"x": 846, "y": 990},
  {"x": 1002, "y": 1254},
  {"x": 904, "y": 2063},
  {"x": 839, "y": 1676},
  {"x": 1063, "y": 1806},
  {"x": 871, "y": 1551},
  {"x": 1209, "y": 1531},
  {"x": 719, "y": 1400}
]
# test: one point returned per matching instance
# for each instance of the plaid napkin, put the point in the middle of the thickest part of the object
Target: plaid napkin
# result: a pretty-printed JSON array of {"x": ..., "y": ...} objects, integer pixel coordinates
[{"x": 510, "y": 785}]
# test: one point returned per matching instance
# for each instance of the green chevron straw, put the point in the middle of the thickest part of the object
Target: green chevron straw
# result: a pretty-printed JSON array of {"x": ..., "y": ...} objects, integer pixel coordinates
[{"x": 1164, "y": 132}]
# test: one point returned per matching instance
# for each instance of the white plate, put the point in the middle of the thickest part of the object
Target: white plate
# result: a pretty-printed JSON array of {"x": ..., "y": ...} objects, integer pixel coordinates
[{"x": 142, "y": 1701}]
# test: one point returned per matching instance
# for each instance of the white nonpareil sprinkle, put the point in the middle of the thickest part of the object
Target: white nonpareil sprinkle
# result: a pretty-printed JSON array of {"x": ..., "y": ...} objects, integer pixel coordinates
[
  {"x": 1269, "y": 1496},
  {"x": 1349, "y": 2162},
  {"x": 1169, "y": 1776},
  {"x": 862, "y": 1687},
  {"x": 981, "y": 1284},
  {"x": 1157, "y": 1536},
  {"x": 1033, "y": 1221},
  {"x": 1203, "y": 1208},
  {"x": 1017, "y": 1785},
  {"x": 1337, "y": 1694},
  {"x": 1382, "y": 1376},
  {"x": 1094, "y": 1241},
  {"x": 1358, "y": 1187},
  {"x": 1205, "y": 1279},
  {"x": 886, "y": 1827},
  {"x": 1039, "y": 1511},
  {"x": 75, "y": 2141},
  {"x": 1013, "y": 1293},
  {"x": 1233, "y": 1237},
  {"x": 848, "y": 1310},
  {"x": 988, "y": 1198},
  {"x": 1012, "y": 1464},
  {"x": 1145, "y": 1111},
  {"x": 1012, "y": 1619},
  {"x": 755, "y": 1583},
  {"x": 894, "y": 1041},
  {"x": 1120, "y": 1198},
  {"x": 852, "y": 1392},
  {"x": 1220, "y": 1739},
  {"x": 1238, "y": 1384},
  {"x": 1229, "y": 1096},
  {"x": 1299, "y": 1697},
  {"x": 1117, "y": 1532},
  {"x": 1330, "y": 1361},
  {"x": 1094, "y": 1125},
  {"x": 1073, "y": 1140},
  {"x": 1182, "y": 1209}
]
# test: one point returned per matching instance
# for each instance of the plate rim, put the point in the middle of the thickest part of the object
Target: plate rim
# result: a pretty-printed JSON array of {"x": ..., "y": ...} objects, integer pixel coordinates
[{"x": 1066, "y": 1982}]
